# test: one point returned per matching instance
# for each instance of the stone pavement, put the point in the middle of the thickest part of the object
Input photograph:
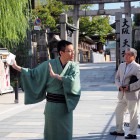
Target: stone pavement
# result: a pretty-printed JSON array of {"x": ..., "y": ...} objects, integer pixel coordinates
[{"x": 93, "y": 118}]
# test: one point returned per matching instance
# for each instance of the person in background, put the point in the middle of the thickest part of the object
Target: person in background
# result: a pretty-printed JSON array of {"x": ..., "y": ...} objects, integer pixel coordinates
[
  {"x": 127, "y": 81},
  {"x": 60, "y": 79}
]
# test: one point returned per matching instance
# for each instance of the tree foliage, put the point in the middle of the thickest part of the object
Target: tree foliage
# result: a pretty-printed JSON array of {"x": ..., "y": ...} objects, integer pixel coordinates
[
  {"x": 98, "y": 25},
  {"x": 136, "y": 20},
  {"x": 49, "y": 13},
  {"x": 86, "y": 6},
  {"x": 14, "y": 16},
  {"x": 136, "y": 38}
]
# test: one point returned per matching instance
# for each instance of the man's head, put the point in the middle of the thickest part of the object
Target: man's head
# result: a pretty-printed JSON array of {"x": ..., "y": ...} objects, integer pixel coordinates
[
  {"x": 65, "y": 50},
  {"x": 130, "y": 55}
]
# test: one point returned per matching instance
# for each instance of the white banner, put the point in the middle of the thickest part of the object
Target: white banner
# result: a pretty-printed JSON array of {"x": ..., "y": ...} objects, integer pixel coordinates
[
  {"x": 5, "y": 78},
  {"x": 125, "y": 36}
]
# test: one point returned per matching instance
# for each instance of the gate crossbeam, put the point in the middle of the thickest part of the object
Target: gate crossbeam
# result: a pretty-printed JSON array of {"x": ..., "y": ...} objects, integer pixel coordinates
[
  {"x": 78, "y": 2},
  {"x": 104, "y": 12}
]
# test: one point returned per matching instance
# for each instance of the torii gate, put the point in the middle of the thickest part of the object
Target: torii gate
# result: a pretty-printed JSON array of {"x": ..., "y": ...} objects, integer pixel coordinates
[{"x": 127, "y": 10}]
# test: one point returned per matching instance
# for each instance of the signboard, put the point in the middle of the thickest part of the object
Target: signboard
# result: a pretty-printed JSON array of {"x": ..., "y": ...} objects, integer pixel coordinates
[
  {"x": 5, "y": 86},
  {"x": 4, "y": 78},
  {"x": 125, "y": 36},
  {"x": 37, "y": 22},
  {"x": 37, "y": 28},
  {"x": 75, "y": 2}
]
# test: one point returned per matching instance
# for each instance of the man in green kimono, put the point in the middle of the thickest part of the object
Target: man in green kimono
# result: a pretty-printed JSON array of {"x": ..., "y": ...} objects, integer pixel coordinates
[{"x": 60, "y": 79}]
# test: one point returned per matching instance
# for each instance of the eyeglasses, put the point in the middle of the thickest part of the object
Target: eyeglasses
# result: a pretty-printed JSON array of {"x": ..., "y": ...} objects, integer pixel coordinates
[{"x": 70, "y": 51}]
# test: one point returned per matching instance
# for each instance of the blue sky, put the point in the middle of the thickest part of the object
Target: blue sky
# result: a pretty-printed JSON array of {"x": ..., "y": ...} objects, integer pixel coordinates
[{"x": 116, "y": 6}]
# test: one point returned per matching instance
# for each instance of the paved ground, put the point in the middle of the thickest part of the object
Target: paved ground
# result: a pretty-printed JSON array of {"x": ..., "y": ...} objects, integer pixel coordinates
[{"x": 93, "y": 118}]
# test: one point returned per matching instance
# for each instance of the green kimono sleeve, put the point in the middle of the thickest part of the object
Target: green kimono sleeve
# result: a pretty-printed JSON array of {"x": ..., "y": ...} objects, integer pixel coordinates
[
  {"x": 34, "y": 83},
  {"x": 71, "y": 85}
]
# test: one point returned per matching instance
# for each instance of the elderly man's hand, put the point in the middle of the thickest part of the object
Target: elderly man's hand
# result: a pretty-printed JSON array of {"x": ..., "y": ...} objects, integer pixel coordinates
[{"x": 126, "y": 88}]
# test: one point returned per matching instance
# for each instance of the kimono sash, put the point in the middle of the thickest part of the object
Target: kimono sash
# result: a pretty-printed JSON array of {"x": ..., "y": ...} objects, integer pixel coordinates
[{"x": 71, "y": 83}]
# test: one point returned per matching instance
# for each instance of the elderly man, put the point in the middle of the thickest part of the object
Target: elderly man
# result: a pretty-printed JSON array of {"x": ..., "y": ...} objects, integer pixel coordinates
[{"x": 127, "y": 81}]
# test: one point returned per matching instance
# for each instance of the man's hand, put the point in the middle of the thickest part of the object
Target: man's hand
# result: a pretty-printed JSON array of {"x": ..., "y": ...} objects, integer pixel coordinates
[
  {"x": 124, "y": 88},
  {"x": 52, "y": 74},
  {"x": 51, "y": 71},
  {"x": 121, "y": 88},
  {"x": 15, "y": 66}
]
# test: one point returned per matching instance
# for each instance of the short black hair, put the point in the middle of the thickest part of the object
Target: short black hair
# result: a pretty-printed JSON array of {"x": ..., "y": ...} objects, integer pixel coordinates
[{"x": 62, "y": 45}]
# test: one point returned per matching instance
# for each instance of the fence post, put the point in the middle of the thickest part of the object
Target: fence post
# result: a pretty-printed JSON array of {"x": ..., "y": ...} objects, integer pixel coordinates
[{"x": 16, "y": 91}]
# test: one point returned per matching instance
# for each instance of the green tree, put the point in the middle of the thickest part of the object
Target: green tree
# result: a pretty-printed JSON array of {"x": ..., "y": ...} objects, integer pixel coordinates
[
  {"x": 98, "y": 25},
  {"x": 49, "y": 13},
  {"x": 86, "y": 6},
  {"x": 136, "y": 20},
  {"x": 14, "y": 17},
  {"x": 136, "y": 39}
]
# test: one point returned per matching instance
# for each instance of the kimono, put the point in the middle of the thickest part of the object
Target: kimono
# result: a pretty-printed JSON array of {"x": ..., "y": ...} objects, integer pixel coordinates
[{"x": 58, "y": 116}]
